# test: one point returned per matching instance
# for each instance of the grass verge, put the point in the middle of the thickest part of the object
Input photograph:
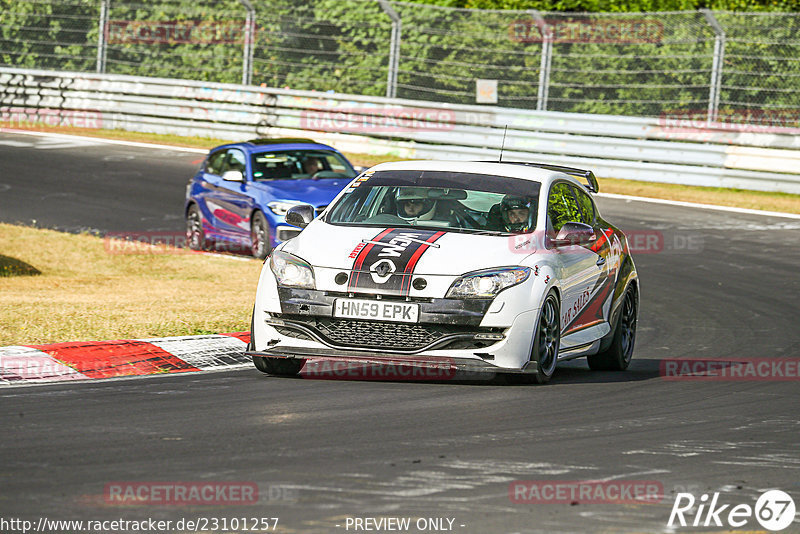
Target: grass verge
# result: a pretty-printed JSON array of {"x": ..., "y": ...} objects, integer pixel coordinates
[
  {"x": 739, "y": 198},
  {"x": 86, "y": 292}
]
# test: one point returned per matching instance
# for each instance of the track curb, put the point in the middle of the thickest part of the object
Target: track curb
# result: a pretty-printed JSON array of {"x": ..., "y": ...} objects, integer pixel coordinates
[{"x": 90, "y": 360}]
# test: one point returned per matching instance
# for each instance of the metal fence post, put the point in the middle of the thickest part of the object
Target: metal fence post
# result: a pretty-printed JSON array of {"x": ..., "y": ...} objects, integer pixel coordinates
[
  {"x": 102, "y": 35},
  {"x": 394, "y": 48},
  {"x": 716, "y": 65},
  {"x": 249, "y": 40},
  {"x": 547, "y": 57}
]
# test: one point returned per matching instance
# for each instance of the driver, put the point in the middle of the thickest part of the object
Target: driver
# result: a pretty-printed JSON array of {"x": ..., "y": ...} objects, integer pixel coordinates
[
  {"x": 413, "y": 204},
  {"x": 515, "y": 212},
  {"x": 312, "y": 165}
]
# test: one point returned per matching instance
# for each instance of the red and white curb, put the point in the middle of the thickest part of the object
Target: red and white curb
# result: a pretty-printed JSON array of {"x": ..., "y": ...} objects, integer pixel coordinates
[{"x": 87, "y": 360}]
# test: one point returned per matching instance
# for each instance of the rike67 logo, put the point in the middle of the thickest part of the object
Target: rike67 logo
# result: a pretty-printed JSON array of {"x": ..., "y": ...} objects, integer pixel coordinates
[{"x": 774, "y": 510}]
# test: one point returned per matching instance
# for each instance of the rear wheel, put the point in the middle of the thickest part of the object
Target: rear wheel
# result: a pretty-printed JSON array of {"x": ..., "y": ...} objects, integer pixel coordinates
[
  {"x": 195, "y": 236},
  {"x": 259, "y": 236},
  {"x": 547, "y": 340},
  {"x": 618, "y": 355},
  {"x": 278, "y": 366}
]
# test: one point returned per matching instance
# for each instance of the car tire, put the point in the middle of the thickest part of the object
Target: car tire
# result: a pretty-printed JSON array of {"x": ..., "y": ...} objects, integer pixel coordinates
[
  {"x": 547, "y": 339},
  {"x": 278, "y": 366},
  {"x": 259, "y": 236},
  {"x": 195, "y": 236},
  {"x": 618, "y": 355}
]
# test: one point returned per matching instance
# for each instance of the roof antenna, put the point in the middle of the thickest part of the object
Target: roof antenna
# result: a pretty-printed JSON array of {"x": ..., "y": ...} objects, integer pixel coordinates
[{"x": 502, "y": 146}]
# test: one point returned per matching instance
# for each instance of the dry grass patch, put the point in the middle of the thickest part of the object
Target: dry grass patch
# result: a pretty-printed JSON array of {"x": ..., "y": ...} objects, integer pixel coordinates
[{"x": 85, "y": 293}]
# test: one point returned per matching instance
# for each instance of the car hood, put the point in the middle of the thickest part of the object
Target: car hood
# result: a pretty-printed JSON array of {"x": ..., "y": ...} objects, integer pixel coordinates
[
  {"x": 408, "y": 250},
  {"x": 315, "y": 192}
]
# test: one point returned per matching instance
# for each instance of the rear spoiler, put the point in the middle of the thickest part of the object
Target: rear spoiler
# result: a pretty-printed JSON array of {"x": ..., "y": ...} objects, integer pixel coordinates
[{"x": 591, "y": 181}]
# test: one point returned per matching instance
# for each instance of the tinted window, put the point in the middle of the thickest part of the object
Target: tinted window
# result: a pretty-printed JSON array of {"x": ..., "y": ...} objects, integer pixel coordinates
[
  {"x": 586, "y": 205},
  {"x": 215, "y": 162},
  {"x": 562, "y": 206},
  {"x": 234, "y": 162},
  {"x": 300, "y": 164},
  {"x": 447, "y": 200}
]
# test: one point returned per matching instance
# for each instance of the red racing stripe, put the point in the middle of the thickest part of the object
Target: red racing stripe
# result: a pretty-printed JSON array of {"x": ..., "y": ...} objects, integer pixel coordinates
[
  {"x": 106, "y": 359},
  {"x": 412, "y": 263},
  {"x": 362, "y": 255}
]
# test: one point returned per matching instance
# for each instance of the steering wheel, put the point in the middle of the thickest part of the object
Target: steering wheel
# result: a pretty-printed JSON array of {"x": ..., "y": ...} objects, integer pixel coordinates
[{"x": 327, "y": 174}]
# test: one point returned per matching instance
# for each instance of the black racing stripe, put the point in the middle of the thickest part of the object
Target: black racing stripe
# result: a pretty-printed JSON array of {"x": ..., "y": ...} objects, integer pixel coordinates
[{"x": 393, "y": 250}]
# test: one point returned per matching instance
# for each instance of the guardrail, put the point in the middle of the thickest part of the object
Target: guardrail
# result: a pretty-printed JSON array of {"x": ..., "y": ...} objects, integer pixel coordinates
[{"x": 671, "y": 150}]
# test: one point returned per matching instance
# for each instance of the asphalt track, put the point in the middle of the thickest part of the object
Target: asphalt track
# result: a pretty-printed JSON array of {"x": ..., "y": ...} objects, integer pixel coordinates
[{"x": 721, "y": 285}]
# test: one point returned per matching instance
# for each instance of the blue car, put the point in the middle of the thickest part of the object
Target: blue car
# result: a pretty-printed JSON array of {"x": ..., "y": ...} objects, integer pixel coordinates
[{"x": 238, "y": 198}]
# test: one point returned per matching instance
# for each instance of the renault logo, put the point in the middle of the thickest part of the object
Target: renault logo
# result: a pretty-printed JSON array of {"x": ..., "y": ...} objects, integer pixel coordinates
[{"x": 381, "y": 270}]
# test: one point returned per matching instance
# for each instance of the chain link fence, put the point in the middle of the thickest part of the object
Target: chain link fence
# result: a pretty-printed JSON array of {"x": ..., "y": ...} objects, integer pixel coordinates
[{"x": 688, "y": 67}]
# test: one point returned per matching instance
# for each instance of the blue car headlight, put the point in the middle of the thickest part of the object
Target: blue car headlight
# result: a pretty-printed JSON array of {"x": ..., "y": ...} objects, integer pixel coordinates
[
  {"x": 291, "y": 271},
  {"x": 280, "y": 207},
  {"x": 487, "y": 283}
]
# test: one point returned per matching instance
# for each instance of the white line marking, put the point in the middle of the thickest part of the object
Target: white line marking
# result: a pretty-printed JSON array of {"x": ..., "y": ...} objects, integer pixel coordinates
[
  {"x": 701, "y": 206},
  {"x": 19, "y": 144},
  {"x": 102, "y": 140}
]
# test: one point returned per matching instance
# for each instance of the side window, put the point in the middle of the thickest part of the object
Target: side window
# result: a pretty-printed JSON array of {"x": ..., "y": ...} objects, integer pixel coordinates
[
  {"x": 586, "y": 205},
  {"x": 562, "y": 206},
  {"x": 215, "y": 161},
  {"x": 234, "y": 161}
]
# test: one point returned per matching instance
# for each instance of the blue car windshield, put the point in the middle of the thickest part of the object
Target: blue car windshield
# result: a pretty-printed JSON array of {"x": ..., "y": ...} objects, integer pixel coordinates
[
  {"x": 461, "y": 202},
  {"x": 300, "y": 164}
]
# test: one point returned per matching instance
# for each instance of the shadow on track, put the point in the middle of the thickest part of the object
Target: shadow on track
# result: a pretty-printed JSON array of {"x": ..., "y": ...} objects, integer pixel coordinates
[{"x": 572, "y": 372}]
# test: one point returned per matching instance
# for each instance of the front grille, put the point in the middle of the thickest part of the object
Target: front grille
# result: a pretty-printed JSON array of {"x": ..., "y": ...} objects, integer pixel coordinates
[{"x": 381, "y": 335}]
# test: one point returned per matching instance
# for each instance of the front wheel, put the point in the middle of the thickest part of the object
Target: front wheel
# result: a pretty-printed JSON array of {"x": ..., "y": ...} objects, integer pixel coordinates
[
  {"x": 278, "y": 366},
  {"x": 259, "y": 236},
  {"x": 195, "y": 236},
  {"x": 547, "y": 340},
  {"x": 618, "y": 355}
]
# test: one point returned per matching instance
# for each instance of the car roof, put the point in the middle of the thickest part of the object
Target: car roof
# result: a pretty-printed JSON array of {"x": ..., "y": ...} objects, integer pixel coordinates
[
  {"x": 524, "y": 170},
  {"x": 276, "y": 144}
]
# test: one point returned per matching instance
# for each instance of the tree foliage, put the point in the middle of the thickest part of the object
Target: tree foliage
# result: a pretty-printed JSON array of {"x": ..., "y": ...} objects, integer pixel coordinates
[{"x": 343, "y": 46}]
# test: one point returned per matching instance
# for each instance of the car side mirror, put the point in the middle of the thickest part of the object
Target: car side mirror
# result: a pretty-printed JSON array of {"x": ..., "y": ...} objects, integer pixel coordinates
[
  {"x": 233, "y": 176},
  {"x": 574, "y": 233},
  {"x": 300, "y": 215}
]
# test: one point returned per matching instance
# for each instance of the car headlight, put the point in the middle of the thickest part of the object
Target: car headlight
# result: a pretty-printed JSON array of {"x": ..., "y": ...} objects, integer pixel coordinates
[
  {"x": 488, "y": 283},
  {"x": 280, "y": 207},
  {"x": 290, "y": 270}
]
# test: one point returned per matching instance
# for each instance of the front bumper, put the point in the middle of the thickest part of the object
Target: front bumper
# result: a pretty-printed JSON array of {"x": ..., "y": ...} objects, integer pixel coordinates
[{"x": 453, "y": 364}]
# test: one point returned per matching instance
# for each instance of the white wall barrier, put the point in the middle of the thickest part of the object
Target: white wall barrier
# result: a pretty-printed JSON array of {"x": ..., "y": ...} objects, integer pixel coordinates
[{"x": 678, "y": 149}]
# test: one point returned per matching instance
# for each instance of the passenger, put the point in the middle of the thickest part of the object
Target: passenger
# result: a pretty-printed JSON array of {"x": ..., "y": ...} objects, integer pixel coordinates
[{"x": 513, "y": 214}]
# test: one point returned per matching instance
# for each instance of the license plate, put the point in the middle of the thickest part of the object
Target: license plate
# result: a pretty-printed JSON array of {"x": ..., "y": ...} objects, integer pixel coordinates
[{"x": 376, "y": 310}]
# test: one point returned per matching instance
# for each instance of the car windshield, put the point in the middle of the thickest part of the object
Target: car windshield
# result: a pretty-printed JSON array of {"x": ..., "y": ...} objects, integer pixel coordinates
[
  {"x": 451, "y": 201},
  {"x": 300, "y": 164}
]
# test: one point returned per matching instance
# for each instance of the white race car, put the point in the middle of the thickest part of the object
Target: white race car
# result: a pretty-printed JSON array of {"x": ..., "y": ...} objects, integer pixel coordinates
[{"x": 481, "y": 266}]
